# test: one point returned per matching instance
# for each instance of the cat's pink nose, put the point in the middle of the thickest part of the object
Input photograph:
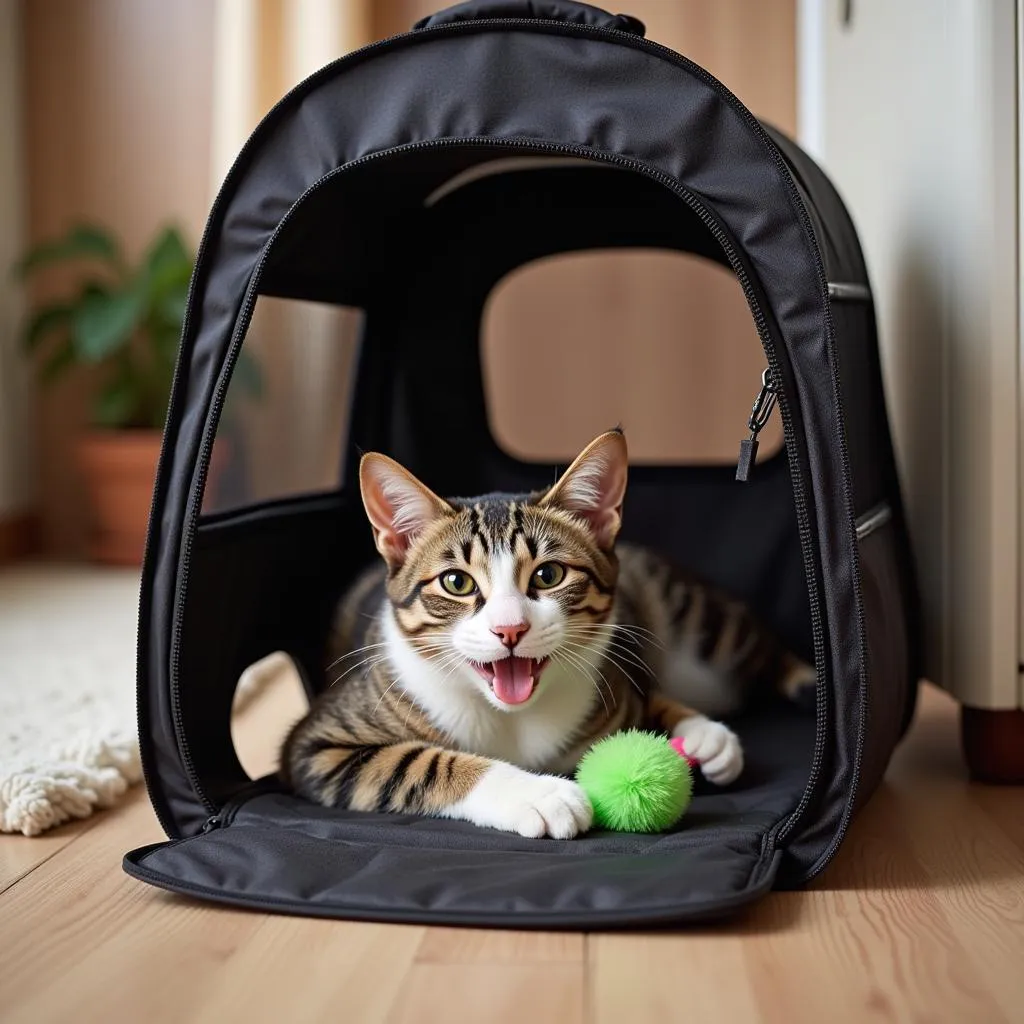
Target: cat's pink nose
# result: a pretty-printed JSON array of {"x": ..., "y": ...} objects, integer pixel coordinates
[{"x": 510, "y": 635}]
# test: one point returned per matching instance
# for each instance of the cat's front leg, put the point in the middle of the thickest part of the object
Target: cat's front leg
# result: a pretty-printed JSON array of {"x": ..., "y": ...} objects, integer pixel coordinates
[
  {"x": 713, "y": 744},
  {"x": 422, "y": 778},
  {"x": 505, "y": 797}
]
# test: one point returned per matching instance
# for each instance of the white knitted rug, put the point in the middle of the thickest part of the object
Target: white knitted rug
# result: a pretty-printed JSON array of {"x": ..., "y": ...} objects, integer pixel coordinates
[{"x": 68, "y": 736}]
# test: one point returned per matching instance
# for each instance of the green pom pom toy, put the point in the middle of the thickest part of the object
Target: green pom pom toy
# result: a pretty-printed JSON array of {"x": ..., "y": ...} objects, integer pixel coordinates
[{"x": 636, "y": 782}]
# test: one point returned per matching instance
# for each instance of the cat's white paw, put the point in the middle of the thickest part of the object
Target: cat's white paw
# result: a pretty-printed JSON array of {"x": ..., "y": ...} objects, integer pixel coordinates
[
  {"x": 514, "y": 800},
  {"x": 715, "y": 745}
]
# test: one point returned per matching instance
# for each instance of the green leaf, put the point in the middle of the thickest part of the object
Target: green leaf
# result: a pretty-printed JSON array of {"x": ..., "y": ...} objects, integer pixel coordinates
[
  {"x": 166, "y": 267},
  {"x": 58, "y": 363},
  {"x": 81, "y": 242},
  {"x": 165, "y": 340},
  {"x": 104, "y": 323},
  {"x": 116, "y": 404},
  {"x": 168, "y": 250},
  {"x": 172, "y": 306},
  {"x": 45, "y": 321}
]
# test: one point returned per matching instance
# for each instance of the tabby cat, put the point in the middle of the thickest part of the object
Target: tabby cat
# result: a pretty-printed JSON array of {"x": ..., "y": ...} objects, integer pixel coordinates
[{"x": 502, "y": 637}]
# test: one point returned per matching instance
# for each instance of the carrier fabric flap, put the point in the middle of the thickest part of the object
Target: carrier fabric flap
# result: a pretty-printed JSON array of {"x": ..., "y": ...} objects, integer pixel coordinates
[
  {"x": 278, "y": 852},
  {"x": 338, "y": 871}
]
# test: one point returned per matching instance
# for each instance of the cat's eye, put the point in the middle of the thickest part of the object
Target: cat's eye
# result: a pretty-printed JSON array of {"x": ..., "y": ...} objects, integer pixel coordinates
[
  {"x": 548, "y": 575},
  {"x": 458, "y": 583}
]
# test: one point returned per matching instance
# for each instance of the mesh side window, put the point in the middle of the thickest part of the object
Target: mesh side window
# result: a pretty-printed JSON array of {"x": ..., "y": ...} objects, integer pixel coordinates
[{"x": 285, "y": 420}]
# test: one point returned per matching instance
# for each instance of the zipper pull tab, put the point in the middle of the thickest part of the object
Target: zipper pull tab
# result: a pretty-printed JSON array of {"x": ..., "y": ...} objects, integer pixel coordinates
[
  {"x": 211, "y": 823},
  {"x": 762, "y": 409}
]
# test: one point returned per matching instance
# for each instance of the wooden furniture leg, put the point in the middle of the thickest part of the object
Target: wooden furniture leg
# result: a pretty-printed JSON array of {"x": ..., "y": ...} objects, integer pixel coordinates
[{"x": 993, "y": 743}]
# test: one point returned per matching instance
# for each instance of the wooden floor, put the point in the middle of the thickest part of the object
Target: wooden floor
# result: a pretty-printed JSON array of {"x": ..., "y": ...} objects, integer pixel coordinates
[{"x": 919, "y": 918}]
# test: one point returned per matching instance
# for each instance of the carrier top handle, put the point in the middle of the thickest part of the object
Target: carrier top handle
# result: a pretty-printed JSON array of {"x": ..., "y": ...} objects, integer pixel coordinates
[{"x": 541, "y": 10}]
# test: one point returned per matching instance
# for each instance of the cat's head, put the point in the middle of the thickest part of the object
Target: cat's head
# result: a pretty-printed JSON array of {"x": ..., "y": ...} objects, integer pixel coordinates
[{"x": 497, "y": 588}]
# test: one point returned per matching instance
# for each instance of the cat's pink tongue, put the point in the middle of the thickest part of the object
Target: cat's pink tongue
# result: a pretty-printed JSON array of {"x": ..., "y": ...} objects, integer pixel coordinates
[{"x": 514, "y": 679}]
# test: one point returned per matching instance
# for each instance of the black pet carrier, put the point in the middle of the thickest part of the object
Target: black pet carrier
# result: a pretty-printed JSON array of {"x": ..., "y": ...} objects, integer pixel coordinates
[{"x": 407, "y": 179}]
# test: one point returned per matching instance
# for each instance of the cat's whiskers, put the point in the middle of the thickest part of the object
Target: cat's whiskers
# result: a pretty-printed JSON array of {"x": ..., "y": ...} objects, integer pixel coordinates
[
  {"x": 353, "y": 653},
  {"x": 373, "y": 661},
  {"x": 451, "y": 661},
  {"x": 425, "y": 644},
  {"x": 388, "y": 689},
  {"x": 623, "y": 652},
  {"x": 625, "y": 671},
  {"x": 573, "y": 651},
  {"x": 376, "y": 659},
  {"x": 564, "y": 657},
  {"x": 634, "y": 634},
  {"x": 568, "y": 658},
  {"x": 442, "y": 649},
  {"x": 602, "y": 638},
  {"x": 622, "y": 668}
]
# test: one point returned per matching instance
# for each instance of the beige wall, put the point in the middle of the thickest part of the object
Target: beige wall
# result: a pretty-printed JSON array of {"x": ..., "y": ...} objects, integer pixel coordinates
[
  {"x": 16, "y": 474},
  {"x": 117, "y": 104}
]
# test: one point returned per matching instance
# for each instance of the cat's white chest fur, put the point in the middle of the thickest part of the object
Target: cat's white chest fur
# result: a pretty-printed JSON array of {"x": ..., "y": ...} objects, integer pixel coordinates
[{"x": 532, "y": 737}]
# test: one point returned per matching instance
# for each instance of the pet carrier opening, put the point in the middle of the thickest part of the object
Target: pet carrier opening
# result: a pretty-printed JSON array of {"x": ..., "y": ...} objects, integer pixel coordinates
[{"x": 406, "y": 180}]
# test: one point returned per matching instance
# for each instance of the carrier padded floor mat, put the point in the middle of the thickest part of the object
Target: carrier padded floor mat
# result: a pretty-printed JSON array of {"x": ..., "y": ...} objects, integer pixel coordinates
[{"x": 279, "y": 853}]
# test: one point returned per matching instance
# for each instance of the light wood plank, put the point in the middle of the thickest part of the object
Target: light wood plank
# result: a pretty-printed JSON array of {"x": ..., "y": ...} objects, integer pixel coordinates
[
  {"x": 975, "y": 874},
  {"x": 508, "y": 993},
  {"x": 123, "y": 951},
  {"x": 1005, "y": 807},
  {"x": 20, "y": 854},
  {"x": 296, "y": 970},
  {"x": 876, "y": 943},
  {"x": 472, "y": 946},
  {"x": 887, "y": 923},
  {"x": 79, "y": 934},
  {"x": 653, "y": 979},
  {"x": 967, "y": 843},
  {"x": 873, "y": 946}
]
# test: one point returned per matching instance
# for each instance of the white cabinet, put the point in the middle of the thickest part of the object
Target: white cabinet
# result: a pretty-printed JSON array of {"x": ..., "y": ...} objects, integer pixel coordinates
[{"x": 913, "y": 107}]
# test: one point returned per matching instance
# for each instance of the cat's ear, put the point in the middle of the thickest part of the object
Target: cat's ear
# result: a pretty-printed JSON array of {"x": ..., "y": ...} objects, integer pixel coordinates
[
  {"x": 398, "y": 506},
  {"x": 594, "y": 486}
]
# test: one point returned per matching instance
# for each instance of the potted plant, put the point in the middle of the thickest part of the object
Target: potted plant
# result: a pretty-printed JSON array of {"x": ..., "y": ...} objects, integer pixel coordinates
[{"x": 125, "y": 320}]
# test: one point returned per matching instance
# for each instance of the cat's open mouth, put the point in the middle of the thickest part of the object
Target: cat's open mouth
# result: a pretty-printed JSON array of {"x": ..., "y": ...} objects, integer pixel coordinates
[{"x": 512, "y": 680}]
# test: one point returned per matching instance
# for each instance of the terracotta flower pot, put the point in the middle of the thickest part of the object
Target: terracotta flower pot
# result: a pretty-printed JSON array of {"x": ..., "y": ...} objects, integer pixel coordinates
[{"x": 118, "y": 468}]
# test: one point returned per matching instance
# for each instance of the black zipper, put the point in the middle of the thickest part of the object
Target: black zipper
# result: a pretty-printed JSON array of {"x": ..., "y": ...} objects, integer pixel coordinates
[
  {"x": 759, "y": 415},
  {"x": 257, "y": 787},
  {"x": 620, "y": 38}
]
